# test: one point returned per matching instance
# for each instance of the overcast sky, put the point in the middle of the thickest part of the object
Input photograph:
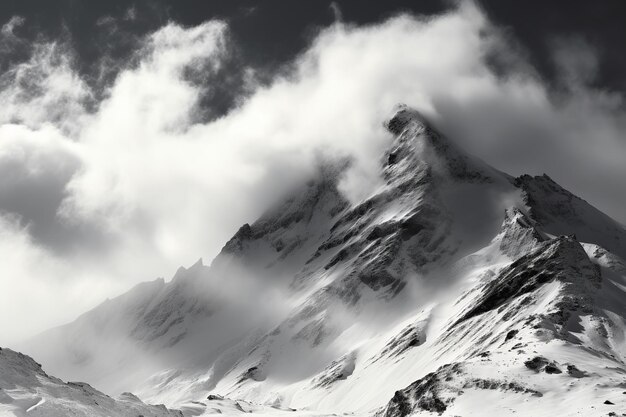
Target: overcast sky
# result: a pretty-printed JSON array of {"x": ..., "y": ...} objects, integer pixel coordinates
[{"x": 136, "y": 137}]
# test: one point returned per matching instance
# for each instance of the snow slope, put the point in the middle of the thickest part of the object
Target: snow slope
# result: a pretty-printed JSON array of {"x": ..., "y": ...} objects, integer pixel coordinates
[
  {"x": 26, "y": 390},
  {"x": 454, "y": 289}
]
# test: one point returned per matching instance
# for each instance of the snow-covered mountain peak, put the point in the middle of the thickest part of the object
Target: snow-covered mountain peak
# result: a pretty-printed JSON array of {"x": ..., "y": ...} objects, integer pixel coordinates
[
  {"x": 419, "y": 148},
  {"x": 334, "y": 306},
  {"x": 404, "y": 118}
]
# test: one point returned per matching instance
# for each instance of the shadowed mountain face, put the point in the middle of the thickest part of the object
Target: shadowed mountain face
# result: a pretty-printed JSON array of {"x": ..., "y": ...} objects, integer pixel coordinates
[{"x": 451, "y": 282}]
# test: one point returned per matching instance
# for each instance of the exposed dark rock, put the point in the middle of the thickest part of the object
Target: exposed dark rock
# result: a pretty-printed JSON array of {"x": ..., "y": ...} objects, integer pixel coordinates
[
  {"x": 235, "y": 244},
  {"x": 255, "y": 373},
  {"x": 404, "y": 116},
  {"x": 510, "y": 335},
  {"x": 552, "y": 369},
  {"x": 493, "y": 384},
  {"x": 575, "y": 372},
  {"x": 536, "y": 364},
  {"x": 411, "y": 336},
  {"x": 539, "y": 363},
  {"x": 338, "y": 370},
  {"x": 422, "y": 395}
]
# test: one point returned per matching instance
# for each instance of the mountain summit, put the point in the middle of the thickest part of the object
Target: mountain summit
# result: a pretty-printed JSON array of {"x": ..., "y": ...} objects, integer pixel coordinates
[{"x": 455, "y": 289}]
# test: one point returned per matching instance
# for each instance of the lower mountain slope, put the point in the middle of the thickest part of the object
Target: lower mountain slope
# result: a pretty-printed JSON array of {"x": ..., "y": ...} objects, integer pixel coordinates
[
  {"x": 26, "y": 390},
  {"x": 543, "y": 337}
]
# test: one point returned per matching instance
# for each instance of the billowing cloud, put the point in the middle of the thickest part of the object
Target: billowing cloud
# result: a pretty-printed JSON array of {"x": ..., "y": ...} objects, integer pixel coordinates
[
  {"x": 43, "y": 90},
  {"x": 102, "y": 195}
]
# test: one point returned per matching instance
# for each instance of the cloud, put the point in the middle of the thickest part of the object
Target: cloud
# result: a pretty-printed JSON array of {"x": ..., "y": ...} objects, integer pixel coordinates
[
  {"x": 131, "y": 187},
  {"x": 336, "y": 10},
  {"x": 40, "y": 289},
  {"x": 44, "y": 89},
  {"x": 576, "y": 60},
  {"x": 527, "y": 126},
  {"x": 9, "y": 27}
]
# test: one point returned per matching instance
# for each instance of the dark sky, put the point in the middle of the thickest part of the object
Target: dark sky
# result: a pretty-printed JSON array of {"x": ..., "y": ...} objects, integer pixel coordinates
[{"x": 270, "y": 33}]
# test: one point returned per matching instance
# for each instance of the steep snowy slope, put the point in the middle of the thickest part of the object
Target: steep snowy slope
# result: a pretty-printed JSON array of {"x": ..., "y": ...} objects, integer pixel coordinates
[
  {"x": 26, "y": 390},
  {"x": 544, "y": 336},
  {"x": 451, "y": 283}
]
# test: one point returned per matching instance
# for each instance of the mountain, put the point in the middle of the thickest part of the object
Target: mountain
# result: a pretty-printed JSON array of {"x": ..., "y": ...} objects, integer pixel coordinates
[
  {"x": 26, "y": 390},
  {"x": 453, "y": 289}
]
